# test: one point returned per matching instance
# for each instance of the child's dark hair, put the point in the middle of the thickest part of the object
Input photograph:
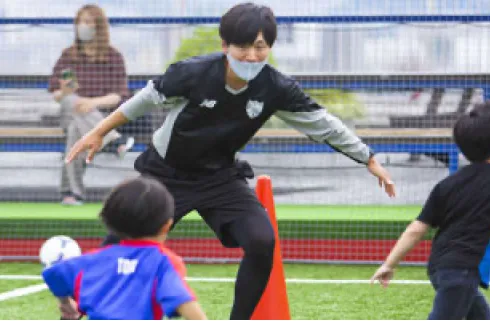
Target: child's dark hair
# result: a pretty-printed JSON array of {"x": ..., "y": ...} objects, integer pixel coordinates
[
  {"x": 138, "y": 207},
  {"x": 242, "y": 23},
  {"x": 472, "y": 133}
]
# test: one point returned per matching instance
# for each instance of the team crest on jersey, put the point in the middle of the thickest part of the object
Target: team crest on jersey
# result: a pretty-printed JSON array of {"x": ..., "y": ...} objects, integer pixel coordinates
[{"x": 254, "y": 108}]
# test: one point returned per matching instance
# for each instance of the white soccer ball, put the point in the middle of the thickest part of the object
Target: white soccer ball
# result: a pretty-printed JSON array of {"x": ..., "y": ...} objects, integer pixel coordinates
[{"x": 58, "y": 248}]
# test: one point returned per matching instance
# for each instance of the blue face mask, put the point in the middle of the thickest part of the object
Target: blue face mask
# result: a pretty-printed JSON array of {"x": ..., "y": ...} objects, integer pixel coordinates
[{"x": 244, "y": 69}]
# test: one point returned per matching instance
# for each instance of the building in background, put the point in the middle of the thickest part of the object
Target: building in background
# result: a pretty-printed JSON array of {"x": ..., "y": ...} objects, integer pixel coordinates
[{"x": 343, "y": 48}]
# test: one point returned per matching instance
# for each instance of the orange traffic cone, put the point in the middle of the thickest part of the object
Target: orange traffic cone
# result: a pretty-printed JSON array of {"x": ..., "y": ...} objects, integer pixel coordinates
[{"x": 274, "y": 302}]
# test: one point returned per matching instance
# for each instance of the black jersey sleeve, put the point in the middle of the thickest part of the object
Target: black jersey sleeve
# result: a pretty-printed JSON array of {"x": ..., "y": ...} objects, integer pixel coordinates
[
  {"x": 431, "y": 212},
  {"x": 176, "y": 81},
  {"x": 303, "y": 113},
  {"x": 161, "y": 92}
]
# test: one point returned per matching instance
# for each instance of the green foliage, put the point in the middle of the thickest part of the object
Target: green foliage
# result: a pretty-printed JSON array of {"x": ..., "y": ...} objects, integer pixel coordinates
[
  {"x": 204, "y": 40},
  {"x": 340, "y": 103}
]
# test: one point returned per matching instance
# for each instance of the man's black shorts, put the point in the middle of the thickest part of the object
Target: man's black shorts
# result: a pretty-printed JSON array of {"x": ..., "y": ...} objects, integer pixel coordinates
[{"x": 220, "y": 198}]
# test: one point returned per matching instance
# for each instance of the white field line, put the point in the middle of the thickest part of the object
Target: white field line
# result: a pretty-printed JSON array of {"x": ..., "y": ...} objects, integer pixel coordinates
[
  {"x": 40, "y": 287},
  {"x": 21, "y": 277},
  {"x": 308, "y": 281},
  {"x": 22, "y": 291},
  {"x": 230, "y": 280}
]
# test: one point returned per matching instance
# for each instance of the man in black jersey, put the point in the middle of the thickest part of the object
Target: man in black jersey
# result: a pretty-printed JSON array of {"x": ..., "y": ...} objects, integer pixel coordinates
[
  {"x": 216, "y": 104},
  {"x": 459, "y": 207}
]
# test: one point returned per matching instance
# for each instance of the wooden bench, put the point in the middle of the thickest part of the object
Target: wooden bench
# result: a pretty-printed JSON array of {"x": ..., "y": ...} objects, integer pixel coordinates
[
  {"x": 428, "y": 141},
  {"x": 382, "y": 140},
  {"x": 435, "y": 119},
  {"x": 30, "y": 134},
  {"x": 368, "y": 133}
]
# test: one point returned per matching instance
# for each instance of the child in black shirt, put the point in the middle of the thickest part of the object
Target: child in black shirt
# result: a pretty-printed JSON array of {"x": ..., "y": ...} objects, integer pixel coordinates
[{"x": 459, "y": 206}]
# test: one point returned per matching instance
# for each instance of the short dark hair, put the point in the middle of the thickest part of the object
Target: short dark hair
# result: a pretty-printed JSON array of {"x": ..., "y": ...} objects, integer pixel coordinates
[
  {"x": 137, "y": 207},
  {"x": 472, "y": 133},
  {"x": 242, "y": 23}
]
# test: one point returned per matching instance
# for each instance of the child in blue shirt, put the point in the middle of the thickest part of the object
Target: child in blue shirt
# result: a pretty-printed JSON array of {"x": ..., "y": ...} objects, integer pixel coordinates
[{"x": 137, "y": 279}]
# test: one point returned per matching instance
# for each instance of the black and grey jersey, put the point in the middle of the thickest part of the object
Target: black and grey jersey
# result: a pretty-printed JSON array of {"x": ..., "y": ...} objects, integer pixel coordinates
[{"x": 209, "y": 122}]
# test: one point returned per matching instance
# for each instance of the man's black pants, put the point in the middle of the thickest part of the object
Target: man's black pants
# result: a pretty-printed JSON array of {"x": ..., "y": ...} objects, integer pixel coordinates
[{"x": 231, "y": 209}]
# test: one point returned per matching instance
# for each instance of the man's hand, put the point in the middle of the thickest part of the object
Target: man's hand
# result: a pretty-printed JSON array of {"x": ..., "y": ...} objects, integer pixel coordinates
[
  {"x": 92, "y": 142},
  {"x": 69, "y": 309},
  {"x": 384, "y": 275},
  {"x": 85, "y": 105},
  {"x": 383, "y": 176}
]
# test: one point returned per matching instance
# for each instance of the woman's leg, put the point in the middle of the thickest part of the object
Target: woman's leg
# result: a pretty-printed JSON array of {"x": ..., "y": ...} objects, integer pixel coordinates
[{"x": 72, "y": 173}]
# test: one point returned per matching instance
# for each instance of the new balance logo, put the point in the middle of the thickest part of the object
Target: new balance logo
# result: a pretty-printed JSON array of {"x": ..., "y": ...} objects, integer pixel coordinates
[{"x": 208, "y": 103}]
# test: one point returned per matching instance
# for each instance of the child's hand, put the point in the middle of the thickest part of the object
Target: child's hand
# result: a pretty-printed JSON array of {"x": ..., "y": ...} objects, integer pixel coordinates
[
  {"x": 384, "y": 275},
  {"x": 191, "y": 311},
  {"x": 69, "y": 309}
]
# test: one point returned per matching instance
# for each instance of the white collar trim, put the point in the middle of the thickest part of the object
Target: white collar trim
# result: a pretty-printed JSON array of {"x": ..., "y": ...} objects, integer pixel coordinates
[{"x": 235, "y": 91}]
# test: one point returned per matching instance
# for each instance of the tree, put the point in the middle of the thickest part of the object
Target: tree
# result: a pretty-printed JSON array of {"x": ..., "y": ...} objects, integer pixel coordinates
[
  {"x": 341, "y": 103},
  {"x": 204, "y": 40}
]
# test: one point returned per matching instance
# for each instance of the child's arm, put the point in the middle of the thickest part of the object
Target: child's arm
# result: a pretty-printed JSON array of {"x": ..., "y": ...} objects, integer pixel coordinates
[
  {"x": 60, "y": 279},
  {"x": 191, "y": 311},
  {"x": 412, "y": 235},
  {"x": 68, "y": 309},
  {"x": 173, "y": 292}
]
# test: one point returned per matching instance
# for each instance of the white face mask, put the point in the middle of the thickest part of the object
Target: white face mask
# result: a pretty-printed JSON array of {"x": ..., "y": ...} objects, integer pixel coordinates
[
  {"x": 85, "y": 32},
  {"x": 244, "y": 69}
]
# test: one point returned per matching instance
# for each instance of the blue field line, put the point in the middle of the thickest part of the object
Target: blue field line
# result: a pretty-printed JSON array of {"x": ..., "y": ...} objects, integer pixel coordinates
[
  {"x": 322, "y": 148},
  {"x": 261, "y": 148},
  {"x": 280, "y": 19},
  {"x": 307, "y": 84}
]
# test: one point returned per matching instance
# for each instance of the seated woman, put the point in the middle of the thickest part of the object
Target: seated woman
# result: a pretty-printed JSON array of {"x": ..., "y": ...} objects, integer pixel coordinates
[{"x": 90, "y": 75}]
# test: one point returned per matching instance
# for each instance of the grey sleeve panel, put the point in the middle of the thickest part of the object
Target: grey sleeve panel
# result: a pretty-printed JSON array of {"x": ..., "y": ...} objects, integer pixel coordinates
[
  {"x": 161, "y": 137},
  {"x": 142, "y": 102},
  {"x": 322, "y": 127}
]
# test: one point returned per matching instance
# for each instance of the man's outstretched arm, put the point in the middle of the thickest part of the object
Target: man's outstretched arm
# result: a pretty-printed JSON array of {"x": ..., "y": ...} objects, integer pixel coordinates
[
  {"x": 141, "y": 103},
  {"x": 305, "y": 115}
]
